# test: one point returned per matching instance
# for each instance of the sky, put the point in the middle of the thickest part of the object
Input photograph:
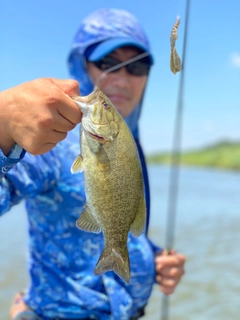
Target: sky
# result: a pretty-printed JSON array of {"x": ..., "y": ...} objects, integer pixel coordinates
[{"x": 36, "y": 37}]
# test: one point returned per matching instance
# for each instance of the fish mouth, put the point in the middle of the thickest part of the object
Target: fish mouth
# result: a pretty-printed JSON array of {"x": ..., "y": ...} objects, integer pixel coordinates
[{"x": 97, "y": 137}]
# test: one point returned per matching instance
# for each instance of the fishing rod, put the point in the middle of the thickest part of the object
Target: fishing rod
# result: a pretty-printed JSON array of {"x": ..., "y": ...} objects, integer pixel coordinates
[{"x": 175, "y": 162}]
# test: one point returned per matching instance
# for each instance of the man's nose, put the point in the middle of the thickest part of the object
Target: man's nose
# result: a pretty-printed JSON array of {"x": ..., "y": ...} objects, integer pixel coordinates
[{"x": 121, "y": 77}]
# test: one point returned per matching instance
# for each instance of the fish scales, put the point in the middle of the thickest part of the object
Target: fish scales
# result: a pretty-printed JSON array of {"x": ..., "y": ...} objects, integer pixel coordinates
[{"x": 115, "y": 201}]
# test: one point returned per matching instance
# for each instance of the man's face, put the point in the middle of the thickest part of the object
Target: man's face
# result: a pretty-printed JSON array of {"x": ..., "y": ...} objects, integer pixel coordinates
[{"x": 123, "y": 89}]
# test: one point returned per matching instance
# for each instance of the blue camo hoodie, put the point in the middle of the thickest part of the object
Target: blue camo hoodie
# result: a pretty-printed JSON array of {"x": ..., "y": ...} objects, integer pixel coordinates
[{"x": 62, "y": 258}]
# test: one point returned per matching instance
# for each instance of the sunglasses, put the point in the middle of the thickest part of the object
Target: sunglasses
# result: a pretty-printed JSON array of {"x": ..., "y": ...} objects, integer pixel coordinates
[{"x": 137, "y": 68}]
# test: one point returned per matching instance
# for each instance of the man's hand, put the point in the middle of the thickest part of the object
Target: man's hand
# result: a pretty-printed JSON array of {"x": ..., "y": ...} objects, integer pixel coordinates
[
  {"x": 38, "y": 114},
  {"x": 169, "y": 269}
]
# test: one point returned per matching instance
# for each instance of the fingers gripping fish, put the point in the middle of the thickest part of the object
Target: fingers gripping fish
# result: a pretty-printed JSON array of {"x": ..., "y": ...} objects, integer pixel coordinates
[{"x": 113, "y": 180}]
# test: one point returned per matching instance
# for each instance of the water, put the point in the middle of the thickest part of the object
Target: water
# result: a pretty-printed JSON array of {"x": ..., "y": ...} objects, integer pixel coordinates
[{"x": 207, "y": 232}]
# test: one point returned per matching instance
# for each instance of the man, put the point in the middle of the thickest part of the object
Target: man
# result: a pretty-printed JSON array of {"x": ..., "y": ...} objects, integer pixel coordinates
[{"x": 61, "y": 257}]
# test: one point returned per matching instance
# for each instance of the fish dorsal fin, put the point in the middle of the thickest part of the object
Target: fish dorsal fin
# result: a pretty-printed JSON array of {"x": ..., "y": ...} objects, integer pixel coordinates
[
  {"x": 77, "y": 165},
  {"x": 87, "y": 222},
  {"x": 138, "y": 224}
]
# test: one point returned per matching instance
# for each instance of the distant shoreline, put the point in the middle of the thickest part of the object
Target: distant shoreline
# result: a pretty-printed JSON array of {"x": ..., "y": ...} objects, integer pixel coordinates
[{"x": 221, "y": 155}]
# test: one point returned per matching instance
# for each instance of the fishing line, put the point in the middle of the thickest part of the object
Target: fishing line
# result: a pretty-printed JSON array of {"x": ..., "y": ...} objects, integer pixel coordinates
[{"x": 175, "y": 163}]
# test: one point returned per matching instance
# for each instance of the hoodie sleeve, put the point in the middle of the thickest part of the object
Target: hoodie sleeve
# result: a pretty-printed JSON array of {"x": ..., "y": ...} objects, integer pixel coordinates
[
  {"x": 7, "y": 163},
  {"x": 23, "y": 175}
]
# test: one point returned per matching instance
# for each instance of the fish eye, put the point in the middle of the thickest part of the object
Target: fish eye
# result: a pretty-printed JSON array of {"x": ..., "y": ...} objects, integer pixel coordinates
[{"x": 105, "y": 105}]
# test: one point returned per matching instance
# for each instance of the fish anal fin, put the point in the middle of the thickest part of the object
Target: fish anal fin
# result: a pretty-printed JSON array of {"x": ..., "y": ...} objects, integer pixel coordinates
[
  {"x": 111, "y": 260},
  {"x": 137, "y": 227},
  {"x": 87, "y": 222},
  {"x": 77, "y": 165}
]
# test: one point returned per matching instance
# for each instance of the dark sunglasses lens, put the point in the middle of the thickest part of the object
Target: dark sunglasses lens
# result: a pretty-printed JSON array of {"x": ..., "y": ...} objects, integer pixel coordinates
[
  {"x": 106, "y": 63},
  {"x": 138, "y": 68}
]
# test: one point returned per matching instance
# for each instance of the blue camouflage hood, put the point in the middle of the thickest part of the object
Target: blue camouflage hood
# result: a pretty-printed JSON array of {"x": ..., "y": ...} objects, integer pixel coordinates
[{"x": 99, "y": 26}]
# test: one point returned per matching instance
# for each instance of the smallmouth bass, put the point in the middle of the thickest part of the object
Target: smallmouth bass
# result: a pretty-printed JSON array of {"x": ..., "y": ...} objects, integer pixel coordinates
[{"x": 113, "y": 181}]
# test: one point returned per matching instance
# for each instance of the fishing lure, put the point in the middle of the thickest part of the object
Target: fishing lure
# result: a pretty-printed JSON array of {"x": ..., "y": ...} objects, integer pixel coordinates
[{"x": 175, "y": 62}]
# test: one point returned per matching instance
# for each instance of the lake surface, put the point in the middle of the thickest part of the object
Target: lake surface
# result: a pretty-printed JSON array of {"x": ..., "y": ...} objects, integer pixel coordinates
[{"x": 207, "y": 232}]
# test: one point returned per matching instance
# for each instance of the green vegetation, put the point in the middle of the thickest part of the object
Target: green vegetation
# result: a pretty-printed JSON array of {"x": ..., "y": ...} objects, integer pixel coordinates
[{"x": 223, "y": 155}]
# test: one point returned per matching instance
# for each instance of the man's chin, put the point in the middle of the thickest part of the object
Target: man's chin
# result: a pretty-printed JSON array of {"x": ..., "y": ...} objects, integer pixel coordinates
[{"x": 122, "y": 111}]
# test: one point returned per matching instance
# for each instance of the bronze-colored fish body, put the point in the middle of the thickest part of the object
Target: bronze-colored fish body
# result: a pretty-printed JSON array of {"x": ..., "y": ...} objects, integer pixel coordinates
[{"x": 113, "y": 181}]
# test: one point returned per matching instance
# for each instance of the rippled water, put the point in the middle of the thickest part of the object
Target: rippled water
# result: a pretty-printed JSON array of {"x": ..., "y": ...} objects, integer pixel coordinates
[{"x": 207, "y": 232}]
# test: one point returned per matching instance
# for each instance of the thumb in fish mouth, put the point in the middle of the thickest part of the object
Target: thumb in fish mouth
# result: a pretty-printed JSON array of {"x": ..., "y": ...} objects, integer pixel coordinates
[
  {"x": 83, "y": 101},
  {"x": 82, "y": 105}
]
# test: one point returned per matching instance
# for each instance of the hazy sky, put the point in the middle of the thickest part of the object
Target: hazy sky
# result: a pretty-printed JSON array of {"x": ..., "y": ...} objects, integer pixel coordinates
[{"x": 36, "y": 36}]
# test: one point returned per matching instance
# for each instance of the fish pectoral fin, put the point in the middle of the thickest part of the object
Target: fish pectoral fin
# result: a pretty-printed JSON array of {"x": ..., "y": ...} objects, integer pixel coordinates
[
  {"x": 87, "y": 222},
  {"x": 137, "y": 227},
  {"x": 115, "y": 260},
  {"x": 77, "y": 165}
]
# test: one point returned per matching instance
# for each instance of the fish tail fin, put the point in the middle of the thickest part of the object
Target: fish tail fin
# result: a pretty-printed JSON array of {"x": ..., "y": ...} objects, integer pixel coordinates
[{"x": 117, "y": 261}]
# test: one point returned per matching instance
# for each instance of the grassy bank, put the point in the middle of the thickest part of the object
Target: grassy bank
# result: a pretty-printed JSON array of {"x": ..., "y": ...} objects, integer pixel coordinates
[{"x": 222, "y": 155}]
